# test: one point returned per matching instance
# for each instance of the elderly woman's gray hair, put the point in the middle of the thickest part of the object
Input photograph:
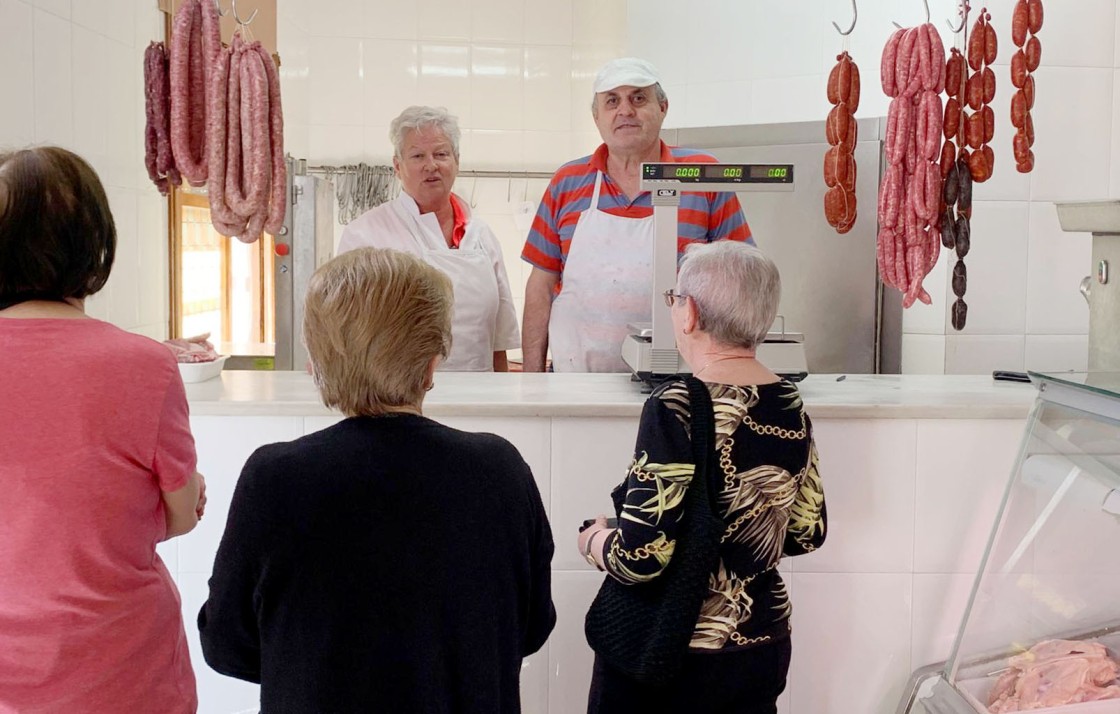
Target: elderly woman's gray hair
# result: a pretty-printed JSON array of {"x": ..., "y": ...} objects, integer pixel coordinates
[
  {"x": 373, "y": 320},
  {"x": 736, "y": 289},
  {"x": 416, "y": 117}
]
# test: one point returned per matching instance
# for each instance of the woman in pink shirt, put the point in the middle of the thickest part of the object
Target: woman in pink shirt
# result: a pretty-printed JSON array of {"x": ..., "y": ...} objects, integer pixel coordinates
[{"x": 97, "y": 465}]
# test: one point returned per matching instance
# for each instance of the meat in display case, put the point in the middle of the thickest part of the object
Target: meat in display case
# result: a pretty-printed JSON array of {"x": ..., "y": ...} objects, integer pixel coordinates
[{"x": 1041, "y": 632}]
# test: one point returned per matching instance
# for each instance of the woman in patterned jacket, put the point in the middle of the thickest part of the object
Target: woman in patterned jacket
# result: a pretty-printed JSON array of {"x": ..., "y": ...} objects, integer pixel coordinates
[{"x": 766, "y": 488}]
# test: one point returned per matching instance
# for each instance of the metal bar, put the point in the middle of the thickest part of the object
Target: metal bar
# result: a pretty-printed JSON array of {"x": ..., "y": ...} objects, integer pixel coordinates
[{"x": 461, "y": 174}]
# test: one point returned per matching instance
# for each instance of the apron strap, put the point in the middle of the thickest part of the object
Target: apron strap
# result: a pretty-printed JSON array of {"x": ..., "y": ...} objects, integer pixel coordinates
[{"x": 595, "y": 194}]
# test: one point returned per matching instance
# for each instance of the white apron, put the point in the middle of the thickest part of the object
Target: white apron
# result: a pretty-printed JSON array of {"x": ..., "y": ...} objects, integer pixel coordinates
[
  {"x": 400, "y": 225},
  {"x": 607, "y": 281}
]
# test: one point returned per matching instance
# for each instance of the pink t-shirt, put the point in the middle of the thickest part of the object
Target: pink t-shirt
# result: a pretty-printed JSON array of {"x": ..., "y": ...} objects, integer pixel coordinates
[{"x": 93, "y": 424}]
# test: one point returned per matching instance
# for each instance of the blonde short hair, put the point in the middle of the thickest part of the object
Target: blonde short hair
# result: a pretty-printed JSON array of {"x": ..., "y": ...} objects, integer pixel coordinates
[{"x": 373, "y": 320}]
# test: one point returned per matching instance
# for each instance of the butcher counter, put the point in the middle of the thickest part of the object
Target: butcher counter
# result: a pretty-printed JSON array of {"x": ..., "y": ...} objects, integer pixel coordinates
[{"x": 913, "y": 469}]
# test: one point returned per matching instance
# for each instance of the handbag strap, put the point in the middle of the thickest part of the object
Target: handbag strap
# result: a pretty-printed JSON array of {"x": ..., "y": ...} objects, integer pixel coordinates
[{"x": 703, "y": 431}]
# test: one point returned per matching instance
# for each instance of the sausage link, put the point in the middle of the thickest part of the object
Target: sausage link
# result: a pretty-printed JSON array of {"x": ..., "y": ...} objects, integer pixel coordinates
[
  {"x": 853, "y": 94},
  {"x": 988, "y": 82},
  {"x": 1027, "y": 164},
  {"x": 951, "y": 187},
  {"x": 249, "y": 198},
  {"x": 960, "y": 314},
  {"x": 976, "y": 45},
  {"x": 1018, "y": 109},
  {"x": 952, "y": 122},
  {"x": 937, "y": 59},
  {"x": 1018, "y": 69},
  {"x": 974, "y": 91},
  {"x": 948, "y": 158},
  {"x": 902, "y": 69},
  {"x": 888, "y": 62},
  {"x": 1028, "y": 92},
  {"x": 974, "y": 130},
  {"x": 278, "y": 198},
  {"x": 836, "y": 125},
  {"x": 991, "y": 44},
  {"x": 1033, "y": 52},
  {"x": 931, "y": 108},
  {"x": 844, "y": 76},
  {"x": 1034, "y": 16},
  {"x": 962, "y": 233},
  {"x": 989, "y": 123},
  {"x": 833, "y": 89},
  {"x": 954, "y": 73},
  {"x": 978, "y": 166},
  {"x": 1020, "y": 22},
  {"x": 224, "y": 219},
  {"x": 185, "y": 77}
]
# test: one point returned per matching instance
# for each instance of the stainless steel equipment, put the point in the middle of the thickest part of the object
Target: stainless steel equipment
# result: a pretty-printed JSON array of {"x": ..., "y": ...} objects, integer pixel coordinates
[
  {"x": 305, "y": 242},
  {"x": 830, "y": 292},
  {"x": 1100, "y": 288},
  {"x": 650, "y": 350}
]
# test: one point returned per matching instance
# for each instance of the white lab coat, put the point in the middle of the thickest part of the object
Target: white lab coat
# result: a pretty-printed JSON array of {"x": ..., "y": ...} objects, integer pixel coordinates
[{"x": 484, "y": 320}]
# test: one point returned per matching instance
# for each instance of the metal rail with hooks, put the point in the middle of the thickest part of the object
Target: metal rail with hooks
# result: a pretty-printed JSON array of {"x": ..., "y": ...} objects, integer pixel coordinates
[
  {"x": 925, "y": 3},
  {"x": 845, "y": 33}
]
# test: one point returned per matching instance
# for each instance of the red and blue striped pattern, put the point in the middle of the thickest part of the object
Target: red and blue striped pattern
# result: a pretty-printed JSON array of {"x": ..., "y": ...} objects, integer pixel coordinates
[{"x": 702, "y": 216}]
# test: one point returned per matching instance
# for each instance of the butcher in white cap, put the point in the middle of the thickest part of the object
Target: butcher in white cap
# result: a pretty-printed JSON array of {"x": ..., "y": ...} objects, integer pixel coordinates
[{"x": 591, "y": 242}]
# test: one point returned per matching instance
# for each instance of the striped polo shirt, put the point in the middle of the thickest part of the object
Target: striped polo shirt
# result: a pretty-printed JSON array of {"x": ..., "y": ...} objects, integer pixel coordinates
[{"x": 702, "y": 216}]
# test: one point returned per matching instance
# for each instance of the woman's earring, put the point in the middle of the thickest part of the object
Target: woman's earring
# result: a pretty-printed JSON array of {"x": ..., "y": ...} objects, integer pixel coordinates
[{"x": 430, "y": 385}]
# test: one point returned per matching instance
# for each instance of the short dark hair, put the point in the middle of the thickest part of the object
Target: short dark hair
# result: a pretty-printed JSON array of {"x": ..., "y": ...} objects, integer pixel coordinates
[{"x": 57, "y": 236}]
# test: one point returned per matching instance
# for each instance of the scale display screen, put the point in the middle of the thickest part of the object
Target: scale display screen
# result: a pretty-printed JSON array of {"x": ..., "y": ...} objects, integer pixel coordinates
[{"x": 719, "y": 173}]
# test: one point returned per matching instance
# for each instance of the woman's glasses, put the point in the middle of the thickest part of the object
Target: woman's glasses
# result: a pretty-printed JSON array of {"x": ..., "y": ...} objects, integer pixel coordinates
[{"x": 671, "y": 296}]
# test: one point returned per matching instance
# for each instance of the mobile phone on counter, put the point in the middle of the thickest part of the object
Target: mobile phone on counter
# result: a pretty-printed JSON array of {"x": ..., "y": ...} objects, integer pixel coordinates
[{"x": 611, "y": 523}]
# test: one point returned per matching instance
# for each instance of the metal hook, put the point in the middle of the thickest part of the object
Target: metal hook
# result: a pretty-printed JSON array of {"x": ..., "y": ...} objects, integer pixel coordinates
[
  {"x": 924, "y": 2},
  {"x": 218, "y": 7},
  {"x": 237, "y": 16},
  {"x": 963, "y": 12},
  {"x": 855, "y": 16}
]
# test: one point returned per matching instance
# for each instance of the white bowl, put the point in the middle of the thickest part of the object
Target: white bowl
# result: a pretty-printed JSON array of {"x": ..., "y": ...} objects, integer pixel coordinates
[{"x": 201, "y": 371}]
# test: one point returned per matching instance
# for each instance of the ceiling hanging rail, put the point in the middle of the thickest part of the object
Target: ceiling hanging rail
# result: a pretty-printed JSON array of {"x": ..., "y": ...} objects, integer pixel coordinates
[
  {"x": 925, "y": 3},
  {"x": 855, "y": 16}
]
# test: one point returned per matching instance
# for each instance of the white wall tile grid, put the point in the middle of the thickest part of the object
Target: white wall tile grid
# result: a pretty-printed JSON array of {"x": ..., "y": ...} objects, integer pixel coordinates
[
  {"x": 75, "y": 80},
  {"x": 908, "y": 523},
  {"x": 749, "y": 61}
]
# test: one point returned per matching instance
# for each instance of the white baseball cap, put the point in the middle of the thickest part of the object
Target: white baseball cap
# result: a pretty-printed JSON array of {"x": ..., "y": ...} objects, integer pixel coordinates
[{"x": 626, "y": 71}]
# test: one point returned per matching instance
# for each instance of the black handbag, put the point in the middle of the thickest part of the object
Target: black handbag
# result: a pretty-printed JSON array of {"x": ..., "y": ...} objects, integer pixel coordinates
[{"x": 643, "y": 630}]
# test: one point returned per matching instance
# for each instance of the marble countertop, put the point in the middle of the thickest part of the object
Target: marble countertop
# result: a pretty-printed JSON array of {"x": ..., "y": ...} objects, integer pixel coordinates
[{"x": 262, "y": 393}]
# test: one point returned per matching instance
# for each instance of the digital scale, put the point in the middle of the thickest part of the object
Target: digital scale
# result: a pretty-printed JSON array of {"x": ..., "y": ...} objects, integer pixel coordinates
[{"x": 650, "y": 350}]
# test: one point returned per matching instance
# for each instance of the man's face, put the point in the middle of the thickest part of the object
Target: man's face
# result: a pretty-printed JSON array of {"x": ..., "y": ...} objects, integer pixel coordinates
[{"x": 629, "y": 118}]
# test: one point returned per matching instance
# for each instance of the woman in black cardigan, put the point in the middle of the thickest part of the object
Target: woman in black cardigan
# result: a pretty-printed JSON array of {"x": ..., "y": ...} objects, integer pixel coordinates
[{"x": 387, "y": 563}]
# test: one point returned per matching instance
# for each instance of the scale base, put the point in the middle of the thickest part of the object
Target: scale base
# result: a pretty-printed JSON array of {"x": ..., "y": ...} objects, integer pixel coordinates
[{"x": 782, "y": 353}]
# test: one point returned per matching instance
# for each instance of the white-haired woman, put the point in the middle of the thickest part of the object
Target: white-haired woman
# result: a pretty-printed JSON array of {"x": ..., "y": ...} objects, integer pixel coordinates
[
  {"x": 429, "y": 221},
  {"x": 388, "y": 563},
  {"x": 766, "y": 486}
]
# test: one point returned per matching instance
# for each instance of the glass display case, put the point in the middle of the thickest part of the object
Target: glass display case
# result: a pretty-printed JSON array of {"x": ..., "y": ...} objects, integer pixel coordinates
[{"x": 1050, "y": 571}]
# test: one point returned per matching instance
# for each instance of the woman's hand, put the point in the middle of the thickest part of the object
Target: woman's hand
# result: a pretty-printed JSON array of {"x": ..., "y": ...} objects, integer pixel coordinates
[
  {"x": 585, "y": 536},
  {"x": 200, "y": 507}
]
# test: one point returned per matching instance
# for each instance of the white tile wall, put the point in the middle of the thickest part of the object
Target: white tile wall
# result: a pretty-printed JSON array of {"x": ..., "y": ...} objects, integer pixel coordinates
[
  {"x": 854, "y": 663},
  {"x": 869, "y": 487},
  {"x": 73, "y": 78}
]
